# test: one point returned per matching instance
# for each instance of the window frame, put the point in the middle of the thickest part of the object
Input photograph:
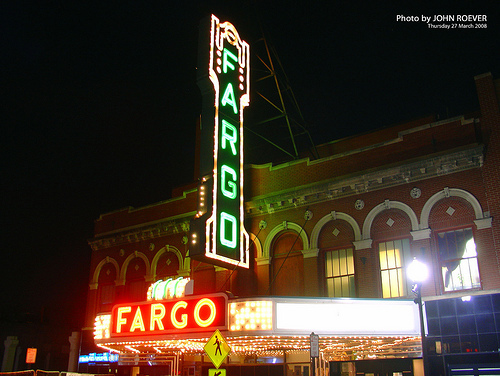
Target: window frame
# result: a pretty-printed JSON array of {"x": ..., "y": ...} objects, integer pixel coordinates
[
  {"x": 352, "y": 289},
  {"x": 406, "y": 258},
  {"x": 440, "y": 261}
]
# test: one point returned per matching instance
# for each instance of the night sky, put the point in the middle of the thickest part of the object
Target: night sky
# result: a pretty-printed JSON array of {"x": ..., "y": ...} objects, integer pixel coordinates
[{"x": 99, "y": 107}]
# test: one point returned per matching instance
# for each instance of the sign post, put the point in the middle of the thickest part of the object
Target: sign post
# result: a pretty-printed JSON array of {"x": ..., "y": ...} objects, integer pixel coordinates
[
  {"x": 314, "y": 343},
  {"x": 314, "y": 340}
]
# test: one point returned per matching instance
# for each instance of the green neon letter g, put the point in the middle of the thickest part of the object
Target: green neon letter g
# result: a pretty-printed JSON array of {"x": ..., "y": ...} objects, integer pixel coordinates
[
  {"x": 230, "y": 193},
  {"x": 224, "y": 239},
  {"x": 230, "y": 137}
]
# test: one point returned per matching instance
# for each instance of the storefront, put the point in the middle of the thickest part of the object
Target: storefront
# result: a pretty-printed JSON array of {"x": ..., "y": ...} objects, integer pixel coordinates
[{"x": 170, "y": 336}]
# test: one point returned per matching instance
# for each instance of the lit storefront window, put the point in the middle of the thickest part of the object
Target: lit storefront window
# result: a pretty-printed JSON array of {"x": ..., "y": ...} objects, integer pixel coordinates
[
  {"x": 458, "y": 257},
  {"x": 251, "y": 315},
  {"x": 339, "y": 272},
  {"x": 393, "y": 255}
]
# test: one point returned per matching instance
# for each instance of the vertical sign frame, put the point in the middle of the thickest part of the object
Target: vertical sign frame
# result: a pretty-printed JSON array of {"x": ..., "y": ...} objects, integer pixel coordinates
[{"x": 218, "y": 234}]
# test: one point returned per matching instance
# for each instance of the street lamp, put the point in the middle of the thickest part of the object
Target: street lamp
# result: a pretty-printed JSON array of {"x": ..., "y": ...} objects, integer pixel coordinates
[{"x": 417, "y": 272}]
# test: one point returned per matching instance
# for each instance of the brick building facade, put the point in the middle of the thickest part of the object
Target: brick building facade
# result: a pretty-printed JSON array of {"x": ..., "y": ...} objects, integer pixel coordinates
[{"x": 346, "y": 225}]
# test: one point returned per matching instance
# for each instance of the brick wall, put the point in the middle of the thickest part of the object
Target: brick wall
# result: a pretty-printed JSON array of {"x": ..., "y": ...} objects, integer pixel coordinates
[{"x": 490, "y": 126}]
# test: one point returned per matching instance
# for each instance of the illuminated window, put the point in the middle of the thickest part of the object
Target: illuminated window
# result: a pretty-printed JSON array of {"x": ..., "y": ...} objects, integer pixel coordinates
[
  {"x": 339, "y": 273},
  {"x": 393, "y": 257},
  {"x": 458, "y": 258}
]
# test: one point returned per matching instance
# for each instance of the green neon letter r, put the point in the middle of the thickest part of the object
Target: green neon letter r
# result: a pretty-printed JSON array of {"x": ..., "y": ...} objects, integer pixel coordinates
[{"x": 229, "y": 137}]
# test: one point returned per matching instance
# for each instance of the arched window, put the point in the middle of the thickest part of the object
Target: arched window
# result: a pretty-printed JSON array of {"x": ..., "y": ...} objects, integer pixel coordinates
[
  {"x": 339, "y": 273},
  {"x": 287, "y": 266},
  {"x": 168, "y": 266},
  {"x": 135, "y": 284},
  {"x": 458, "y": 259},
  {"x": 391, "y": 231},
  {"x": 451, "y": 220},
  {"x": 106, "y": 288},
  {"x": 335, "y": 242},
  {"x": 394, "y": 256}
]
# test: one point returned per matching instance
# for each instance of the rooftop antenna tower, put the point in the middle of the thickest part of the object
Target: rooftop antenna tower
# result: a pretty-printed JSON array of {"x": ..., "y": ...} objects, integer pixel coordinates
[{"x": 278, "y": 121}]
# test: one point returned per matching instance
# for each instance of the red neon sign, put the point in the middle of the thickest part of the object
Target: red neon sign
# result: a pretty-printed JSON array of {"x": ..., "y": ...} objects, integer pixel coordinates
[{"x": 159, "y": 317}]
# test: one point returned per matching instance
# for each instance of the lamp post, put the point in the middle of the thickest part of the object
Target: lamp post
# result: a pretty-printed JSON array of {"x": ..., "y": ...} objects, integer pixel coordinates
[{"x": 418, "y": 273}]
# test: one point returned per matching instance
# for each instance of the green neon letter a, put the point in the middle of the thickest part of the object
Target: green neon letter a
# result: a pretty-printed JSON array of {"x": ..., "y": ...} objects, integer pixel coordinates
[{"x": 228, "y": 98}]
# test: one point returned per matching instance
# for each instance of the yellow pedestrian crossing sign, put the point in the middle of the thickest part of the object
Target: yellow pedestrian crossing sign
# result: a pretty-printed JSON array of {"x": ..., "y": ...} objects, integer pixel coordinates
[{"x": 217, "y": 349}]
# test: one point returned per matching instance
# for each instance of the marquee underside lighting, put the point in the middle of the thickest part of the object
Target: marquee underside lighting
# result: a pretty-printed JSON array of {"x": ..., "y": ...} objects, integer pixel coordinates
[{"x": 332, "y": 348}]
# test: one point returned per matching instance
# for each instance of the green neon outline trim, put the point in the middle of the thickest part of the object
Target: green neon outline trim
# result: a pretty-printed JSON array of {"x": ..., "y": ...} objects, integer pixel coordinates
[
  {"x": 223, "y": 218},
  {"x": 177, "y": 281},
  {"x": 155, "y": 286},
  {"x": 232, "y": 139},
  {"x": 165, "y": 289},
  {"x": 229, "y": 194},
  {"x": 228, "y": 98}
]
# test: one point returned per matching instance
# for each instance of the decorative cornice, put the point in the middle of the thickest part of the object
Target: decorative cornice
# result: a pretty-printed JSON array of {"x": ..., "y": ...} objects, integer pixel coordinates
[
  {"x": 366, "y": 181},
  {"x": 138, "y": 234},
  {"x": 263, "y": 261},
  {"x": 421, "y": 234},
  {"x": 363, "y": 244},
  {"x": 310, "y": 253},
  {"x": 483, "y": 223}
]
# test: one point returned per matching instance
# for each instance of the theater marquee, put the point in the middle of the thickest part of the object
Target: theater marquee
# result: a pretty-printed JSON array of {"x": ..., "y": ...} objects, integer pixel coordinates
[
  {"x": 190, "y": 314},
  {"x": 218, "y": 234},
  {"x": 260, "y": 324}
]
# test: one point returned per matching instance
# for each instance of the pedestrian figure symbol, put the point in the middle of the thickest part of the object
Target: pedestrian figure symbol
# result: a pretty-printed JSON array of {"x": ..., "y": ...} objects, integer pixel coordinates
[{"x": 217, "y": 343}]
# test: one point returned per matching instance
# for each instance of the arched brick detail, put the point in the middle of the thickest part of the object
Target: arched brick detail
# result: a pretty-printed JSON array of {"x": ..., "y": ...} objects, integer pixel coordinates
[
  {"x": 123, "y": 271},
  {"x": 95, "y": 279},
  {"x": 183, "y": 263},
  {"x": 367, "y": 225},
  {"x": 390, "y": 223},
  {"x": 255, "y": 242},
  {"x": 278, "y": 229},
  {"x": 449, "y": 192},
  {"x": 451, "y": 212},
  {"x": 334, "y": 216}
]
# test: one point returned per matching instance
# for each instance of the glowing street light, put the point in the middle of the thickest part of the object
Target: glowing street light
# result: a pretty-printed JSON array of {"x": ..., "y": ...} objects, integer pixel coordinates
[{"x": 418, "y": 272}]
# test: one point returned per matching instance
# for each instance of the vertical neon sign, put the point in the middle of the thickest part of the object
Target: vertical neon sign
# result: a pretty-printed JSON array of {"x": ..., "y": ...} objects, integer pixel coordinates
[{"x": 218, "y": 231}]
